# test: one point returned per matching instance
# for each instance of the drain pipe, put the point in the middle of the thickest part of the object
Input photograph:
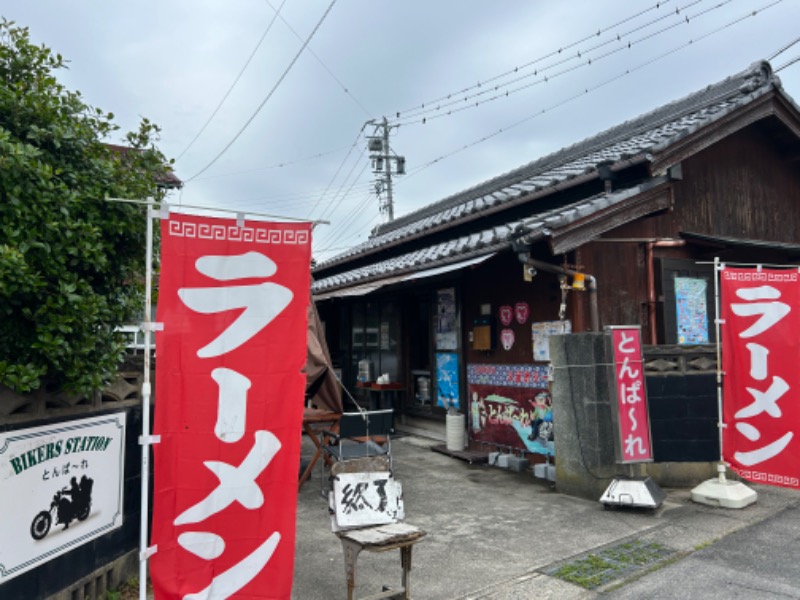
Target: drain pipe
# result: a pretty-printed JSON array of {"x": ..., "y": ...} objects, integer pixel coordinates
[{"x": 591, "y": 283}]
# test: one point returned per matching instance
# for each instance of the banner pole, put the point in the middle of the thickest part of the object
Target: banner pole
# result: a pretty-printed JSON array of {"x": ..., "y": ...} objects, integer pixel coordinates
[
  {"x": 719, "y": 491},
  {"x": 146, "y": 393},
  {"x": 720, "y": 421}
]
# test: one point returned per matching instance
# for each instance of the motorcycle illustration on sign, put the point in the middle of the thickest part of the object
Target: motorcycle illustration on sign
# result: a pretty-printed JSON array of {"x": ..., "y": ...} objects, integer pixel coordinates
[{"x": 69, "y": 503}]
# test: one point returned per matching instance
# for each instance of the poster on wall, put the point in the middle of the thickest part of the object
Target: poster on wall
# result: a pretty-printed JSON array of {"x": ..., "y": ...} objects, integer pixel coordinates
[
  {"x": 691, "y": 310},
  {"x": 233, "y": 303},
  {"x": 510, "y": 405},
  {"x": 447, "y": 380},
  {"x": 446, "y": 333},
  {"x": 61, "y": 488},
  {"x": 541, "y": 333},
  {"x": 760, "y": 311}
]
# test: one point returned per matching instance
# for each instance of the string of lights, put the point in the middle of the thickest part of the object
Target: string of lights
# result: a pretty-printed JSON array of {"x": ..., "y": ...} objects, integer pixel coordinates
[
  {"x": 585, "y": 57},
  {"x": 588, "y": 90},
  {"x": 515, "y": 70}
]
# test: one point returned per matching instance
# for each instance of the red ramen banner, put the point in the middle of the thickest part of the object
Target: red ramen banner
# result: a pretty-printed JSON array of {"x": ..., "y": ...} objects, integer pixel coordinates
[
  {"x": 233, "y": 302},
  {"x": 760, "y": 311}
]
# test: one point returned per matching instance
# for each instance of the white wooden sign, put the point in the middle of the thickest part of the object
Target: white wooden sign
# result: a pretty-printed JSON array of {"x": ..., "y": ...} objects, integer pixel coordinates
[
  {"x": 366, "y": 498},
  {"x": 61, "y": 487}
]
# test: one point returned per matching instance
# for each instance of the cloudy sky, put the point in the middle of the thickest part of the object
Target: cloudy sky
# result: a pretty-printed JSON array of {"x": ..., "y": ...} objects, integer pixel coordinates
[{"x": 265, "y": 104}]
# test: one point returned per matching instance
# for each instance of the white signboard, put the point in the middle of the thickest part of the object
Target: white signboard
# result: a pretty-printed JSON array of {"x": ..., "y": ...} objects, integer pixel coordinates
[
  {"x": 61, "y": 487},
  {"x": 366, "y": 498}
]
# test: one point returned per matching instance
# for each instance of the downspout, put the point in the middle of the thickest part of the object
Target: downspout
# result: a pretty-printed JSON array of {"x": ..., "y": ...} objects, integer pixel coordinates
[
  {"x": 591, "y": 283},
  {"x": 651, "y": 280}
]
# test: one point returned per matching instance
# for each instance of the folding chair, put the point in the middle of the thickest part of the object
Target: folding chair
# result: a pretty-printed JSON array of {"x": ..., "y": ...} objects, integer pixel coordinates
[
  {"x": 362, "y": 434},
  {"x": 367, "y": 514}
]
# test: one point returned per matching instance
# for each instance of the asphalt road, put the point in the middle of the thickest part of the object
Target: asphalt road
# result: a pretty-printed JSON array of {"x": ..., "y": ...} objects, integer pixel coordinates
[{"x": 759, "y": 562}]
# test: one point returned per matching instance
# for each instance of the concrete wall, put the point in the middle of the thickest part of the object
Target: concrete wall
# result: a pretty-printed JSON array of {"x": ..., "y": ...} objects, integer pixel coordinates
[
  {"x": 584, "y": 434},
  {"x": 682, "y": 405}
]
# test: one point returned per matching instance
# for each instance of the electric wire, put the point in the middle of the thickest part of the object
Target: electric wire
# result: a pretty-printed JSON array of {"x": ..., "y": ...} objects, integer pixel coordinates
[
  {"x": 233, "y": 85},
  {"x": 280, "y": 165},
  {"x": 791, "y": 62},
  {"x": 545, "y": 79},
  {"x": 336, "y": 235},
  {"x": 319, "y": 60},
  {"x": 544, "y": 57},
  {"x": 593, "y": 88},
  {"x": 341, "y": 166},
  {"x": 782, "y": 50},
  {"x": 334, "y": 203},
  {"x": 269, "y": 95}
]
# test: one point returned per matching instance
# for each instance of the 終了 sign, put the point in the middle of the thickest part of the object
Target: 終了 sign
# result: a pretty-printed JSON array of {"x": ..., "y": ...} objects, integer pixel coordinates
[
  {"x": 60, "y": 487},
  {"x": 233, "y": 300}
]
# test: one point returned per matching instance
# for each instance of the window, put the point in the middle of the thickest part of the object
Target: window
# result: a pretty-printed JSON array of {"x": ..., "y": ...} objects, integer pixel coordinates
[{"x": 688, "y": 306}]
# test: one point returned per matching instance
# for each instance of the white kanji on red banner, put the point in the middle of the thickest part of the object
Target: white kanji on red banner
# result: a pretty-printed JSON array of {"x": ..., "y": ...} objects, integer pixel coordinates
[{"x": 229, "y": 401}]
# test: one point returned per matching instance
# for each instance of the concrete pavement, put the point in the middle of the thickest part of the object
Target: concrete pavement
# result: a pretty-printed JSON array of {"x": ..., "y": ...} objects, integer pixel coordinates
[{"x": 500, "y": 535}]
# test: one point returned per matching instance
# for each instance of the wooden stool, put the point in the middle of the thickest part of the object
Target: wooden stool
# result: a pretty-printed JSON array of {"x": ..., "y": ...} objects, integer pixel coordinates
[{"x": 380, "y": 538}]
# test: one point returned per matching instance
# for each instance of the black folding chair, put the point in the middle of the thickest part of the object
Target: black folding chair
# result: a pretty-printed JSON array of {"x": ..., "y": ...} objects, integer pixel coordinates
[{"x": 362, "y": 434}]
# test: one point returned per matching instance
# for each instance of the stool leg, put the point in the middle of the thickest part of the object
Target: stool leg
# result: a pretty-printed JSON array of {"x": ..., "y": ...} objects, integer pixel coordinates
[
  {"x": 405, "y": 561},
  {"x": 351, "y": 551}
]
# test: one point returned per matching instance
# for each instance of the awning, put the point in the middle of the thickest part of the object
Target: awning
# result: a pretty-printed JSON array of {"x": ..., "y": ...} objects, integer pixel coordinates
[
  {"x": 450, "y": 267},
  {"x": 358, "y": 290},
  {"x": 366, "y": 288}
]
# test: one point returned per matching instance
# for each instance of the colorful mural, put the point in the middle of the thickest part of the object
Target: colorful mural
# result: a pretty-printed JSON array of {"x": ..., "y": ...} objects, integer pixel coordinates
[{"x": 510, "y": 405}]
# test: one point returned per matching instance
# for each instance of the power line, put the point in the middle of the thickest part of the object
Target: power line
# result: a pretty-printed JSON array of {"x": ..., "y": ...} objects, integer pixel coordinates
[
  {"x": 233, "y": 85},
  {"x": 319, "y": 60},
  {"x": 596, "y": 87},
  {"x": 791, "y": 62},
  {"x": 545, "y": 79},
  {"x": 331, "y": 207},
  {"x": 784, "y": 49},
  {"x": 272, "y": 91},
  {"x": 341, "y": 166},
  {"x": 280, "y": 165},
  {"x": 515, "y": 70}
]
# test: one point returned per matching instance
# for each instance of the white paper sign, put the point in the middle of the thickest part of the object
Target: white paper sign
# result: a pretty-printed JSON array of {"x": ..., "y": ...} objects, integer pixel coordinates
[
  {"x": 362, "y": 499},
  {"x": 61, "y": 487}
]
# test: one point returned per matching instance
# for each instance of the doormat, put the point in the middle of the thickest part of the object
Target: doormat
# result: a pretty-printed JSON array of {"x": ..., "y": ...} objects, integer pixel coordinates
[
  {"x": 604, "y": 566},
  {"x": 471, "y": 456}
]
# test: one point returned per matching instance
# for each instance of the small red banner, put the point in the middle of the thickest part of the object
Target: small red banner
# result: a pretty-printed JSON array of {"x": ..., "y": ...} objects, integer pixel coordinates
[
  {"x": 760, "y": 312},
  {"x": 634, "y": 424},
  {"x": 233, "y": 302}
]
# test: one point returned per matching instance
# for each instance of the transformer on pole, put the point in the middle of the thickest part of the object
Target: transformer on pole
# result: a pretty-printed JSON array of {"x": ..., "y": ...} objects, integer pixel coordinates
[{"x": 382, "y": 158}]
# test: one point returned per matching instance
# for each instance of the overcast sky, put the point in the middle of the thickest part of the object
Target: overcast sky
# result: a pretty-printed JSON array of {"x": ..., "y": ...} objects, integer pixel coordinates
[{"x": 289, "y": 137}]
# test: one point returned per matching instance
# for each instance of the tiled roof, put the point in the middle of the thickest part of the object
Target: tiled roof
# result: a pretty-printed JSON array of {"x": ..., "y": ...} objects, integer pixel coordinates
[
  {"x": 534, "y": 228},
  {"x": 630, "y": 141}
]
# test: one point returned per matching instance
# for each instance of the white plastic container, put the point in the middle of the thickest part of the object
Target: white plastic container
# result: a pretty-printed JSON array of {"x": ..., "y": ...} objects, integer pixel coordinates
[{"x": 455, "y": 432}]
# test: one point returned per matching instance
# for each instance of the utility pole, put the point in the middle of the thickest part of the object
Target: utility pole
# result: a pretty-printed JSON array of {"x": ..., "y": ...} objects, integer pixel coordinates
[{"x": 382, "y": 158}]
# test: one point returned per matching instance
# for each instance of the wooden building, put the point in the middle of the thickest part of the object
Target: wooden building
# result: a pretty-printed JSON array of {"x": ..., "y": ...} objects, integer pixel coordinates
[{"x": 454, "y": 302}]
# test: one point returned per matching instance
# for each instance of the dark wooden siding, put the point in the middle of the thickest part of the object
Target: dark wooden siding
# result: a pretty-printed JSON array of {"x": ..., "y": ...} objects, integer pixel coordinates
[{"x": 742, "y": 187}]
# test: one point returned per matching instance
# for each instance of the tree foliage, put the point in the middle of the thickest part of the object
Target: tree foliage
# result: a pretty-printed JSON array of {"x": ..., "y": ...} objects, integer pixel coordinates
[{"x": 71, "y": 263}]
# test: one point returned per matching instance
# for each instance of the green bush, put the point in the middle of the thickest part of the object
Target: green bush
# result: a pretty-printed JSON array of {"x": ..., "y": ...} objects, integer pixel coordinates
[{"x": 71, "y": 263}]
